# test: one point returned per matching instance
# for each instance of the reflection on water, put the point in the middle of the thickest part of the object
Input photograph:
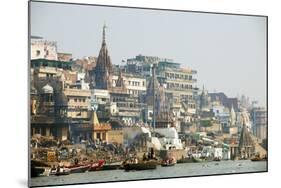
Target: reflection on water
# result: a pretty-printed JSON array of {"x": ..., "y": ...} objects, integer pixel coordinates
[{"x": 187, "y": 169}]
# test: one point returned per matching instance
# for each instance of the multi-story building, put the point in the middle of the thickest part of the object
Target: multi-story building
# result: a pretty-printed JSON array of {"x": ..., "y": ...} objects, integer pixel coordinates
[
  {"x": 136, "y": 85},
  {"x": 259, "y": 118},
  {"x": 46, "y": 83},
  {"x": 179, "y": 85},
  {"x": 142, "y": 65},
  {"x": 69, "y": 101}
]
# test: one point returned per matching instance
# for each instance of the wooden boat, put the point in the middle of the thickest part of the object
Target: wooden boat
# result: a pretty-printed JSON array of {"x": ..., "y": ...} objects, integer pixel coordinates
[
  {"x": 189, "y": 160},
  {"x": 96, "y": 165},
  {"x": 37, "y": 171},
  {"x": 62, "y": 171},
  {"x": 145, "y": 165},
  {"x": 255, "y": 159},
  {"x": 216, "y": 159},
  {"x": 169, "y": 162},
  {"x": 78, "y": 168},
  {"x": 112, "y": 166},
  {"x": 38, "y": 168}
]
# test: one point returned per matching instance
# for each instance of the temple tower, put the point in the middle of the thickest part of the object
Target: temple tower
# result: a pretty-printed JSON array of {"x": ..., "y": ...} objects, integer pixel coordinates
[
  {"x": 246, "y": 144},
  {"x": 103, "y": 69}
]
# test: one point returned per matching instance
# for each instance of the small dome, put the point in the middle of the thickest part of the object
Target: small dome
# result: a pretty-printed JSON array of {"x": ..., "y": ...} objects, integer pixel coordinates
[{"x": 47, "y": 89}]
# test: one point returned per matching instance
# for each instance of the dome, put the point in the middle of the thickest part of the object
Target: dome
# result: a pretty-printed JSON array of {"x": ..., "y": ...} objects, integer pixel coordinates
[{"x": 47, "y": 89}]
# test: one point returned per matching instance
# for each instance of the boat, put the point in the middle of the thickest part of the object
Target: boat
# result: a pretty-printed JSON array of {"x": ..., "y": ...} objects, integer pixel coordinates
[
  {"x": 38, "y": 168},
  {"x": 78, "y": 168},
  {"x": 216, "y": 159},
  {"x": 96, "y": 165},
  {"x": 37, "y": 171},
  {"x": 62, "y": 171},
  {"x": 189, "y": 160},
  {"x": 255, "y": 159},
  {"x": 168, "y": 162},
  {"x": 111, "y": 166},
  {"x": 145, "y": 165}
]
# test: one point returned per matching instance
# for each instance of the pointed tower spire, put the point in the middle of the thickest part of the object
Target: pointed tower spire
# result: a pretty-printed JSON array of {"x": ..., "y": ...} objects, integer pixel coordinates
[
  {"x": 103, "y": 35},
  {"x": 233, "y": 116},
  {"x": 104, "y": 68},
  {"x": 120, "y": 80}
]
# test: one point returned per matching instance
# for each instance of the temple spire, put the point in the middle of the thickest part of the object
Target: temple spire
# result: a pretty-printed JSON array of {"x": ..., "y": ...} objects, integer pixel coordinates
[{"x": 103, "y": 35}]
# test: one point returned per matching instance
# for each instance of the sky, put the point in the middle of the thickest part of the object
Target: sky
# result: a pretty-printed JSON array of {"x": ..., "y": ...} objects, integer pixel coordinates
[{"x": 228, "y": 51}]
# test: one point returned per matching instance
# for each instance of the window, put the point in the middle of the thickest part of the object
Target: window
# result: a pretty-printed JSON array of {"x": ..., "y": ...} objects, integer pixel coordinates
[
  {"x": 98, "y": 136},
  {"x": 103, "y": 136},
  {"x": 84, "y": 100},
  {"x": 75, "y": 100},
  {"x": 37, "y": 52}
]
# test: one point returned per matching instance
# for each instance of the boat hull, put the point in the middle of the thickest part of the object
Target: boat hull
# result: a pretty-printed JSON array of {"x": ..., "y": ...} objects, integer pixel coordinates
[
  {"x": 141, "y": 166},
  {"x": 78, "y": 169}
]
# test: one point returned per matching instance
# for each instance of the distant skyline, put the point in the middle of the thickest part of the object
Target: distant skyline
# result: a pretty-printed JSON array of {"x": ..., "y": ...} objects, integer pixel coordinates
[{"x": 228, "y": 51}]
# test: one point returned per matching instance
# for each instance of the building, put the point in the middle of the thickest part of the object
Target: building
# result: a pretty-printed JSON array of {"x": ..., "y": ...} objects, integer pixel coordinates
[
  {"x": 45, "y": 119},
  {"x": 259, "y": 118},
  {"x": 103, "y": 71},
  {"x": 136, "y": 85},
  {"x": 246, "y": 144},
  {"x": 75, "y": 102},
  {"x": 64, "y": 56},
  {"x": 66, "y": 114},
  {"x": 100, "y": 130},
  {"x": 142, "y": 65},
  {"x": 43, "y": 49},
  {"x": 179, "y": 85},
  {"x": 205, "y": 103},
  {"x": 46, "y": 83},
  {"x": 128, "y": 108},
  {"x": 223, "y": 115},
  {"x": 224, "y": 100}
]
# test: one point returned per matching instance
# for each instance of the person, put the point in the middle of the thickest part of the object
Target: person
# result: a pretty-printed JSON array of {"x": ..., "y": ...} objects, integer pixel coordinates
[
  {"x": 136, "y": 160},
  {"x": 144, "y": 157}
]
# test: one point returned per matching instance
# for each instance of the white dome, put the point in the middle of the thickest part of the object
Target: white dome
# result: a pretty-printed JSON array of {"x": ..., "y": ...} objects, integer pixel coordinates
[{"x": 47, "y": 89}]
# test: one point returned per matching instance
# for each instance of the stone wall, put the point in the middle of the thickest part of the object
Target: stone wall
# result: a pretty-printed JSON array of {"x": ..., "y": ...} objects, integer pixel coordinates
[{"x": 177, "y": 153}]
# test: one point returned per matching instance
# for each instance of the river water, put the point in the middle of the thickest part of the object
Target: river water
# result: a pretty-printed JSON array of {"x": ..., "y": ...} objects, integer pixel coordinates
[{"x": 185, "y": 169}]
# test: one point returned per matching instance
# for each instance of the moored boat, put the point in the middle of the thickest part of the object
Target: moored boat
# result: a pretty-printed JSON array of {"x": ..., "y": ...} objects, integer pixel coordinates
[
  {"x": 38, "y": 168},
  {"x": 62, "y": 171},
  {"x": 255, "y": 159},
  {"x": 169, "y": 162},
  {"x": 189, "y": 160},
  {"x": 78, "y": 168},
  {"x": 111, "y": 166},
  {"x": 217, "y": 159},
  {"x": 145, "y": 165},
  {"x": 96, "y": 165},
  {"x": 37, "y": 171}
]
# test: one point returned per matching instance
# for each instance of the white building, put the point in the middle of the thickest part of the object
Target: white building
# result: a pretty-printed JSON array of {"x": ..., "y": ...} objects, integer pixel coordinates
[
  {"x": 43, "y": 49},
  {"x": 135, "y": 84}
]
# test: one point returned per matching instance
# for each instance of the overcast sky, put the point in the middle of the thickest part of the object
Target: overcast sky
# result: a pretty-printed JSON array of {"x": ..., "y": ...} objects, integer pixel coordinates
[{"x": 229, "y": 52}]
